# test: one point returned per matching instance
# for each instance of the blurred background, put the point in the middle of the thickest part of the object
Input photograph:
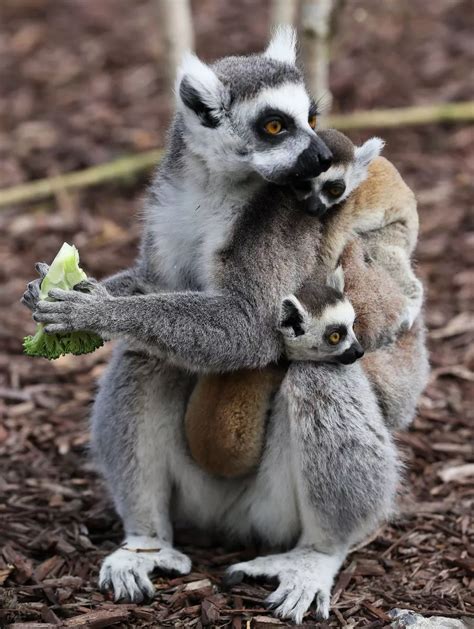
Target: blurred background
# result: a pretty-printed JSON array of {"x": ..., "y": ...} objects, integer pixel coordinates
[{"x": 83, "y": 83}]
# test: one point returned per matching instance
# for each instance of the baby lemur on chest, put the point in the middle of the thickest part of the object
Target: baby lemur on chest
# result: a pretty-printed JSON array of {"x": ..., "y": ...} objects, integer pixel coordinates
[
  {"x": 317, "y": 325},
  {"x": 360, "y": 196}
]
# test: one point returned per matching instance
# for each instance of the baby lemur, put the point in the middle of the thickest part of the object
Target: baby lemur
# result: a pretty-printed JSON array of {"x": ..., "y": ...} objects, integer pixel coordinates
[
  {"x": 317, "y": 325},
  {"x": 226, "y": 415}
]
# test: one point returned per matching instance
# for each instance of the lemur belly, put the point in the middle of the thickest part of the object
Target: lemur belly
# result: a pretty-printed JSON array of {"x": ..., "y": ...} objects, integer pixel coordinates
[{"x": 262, "y": 505}]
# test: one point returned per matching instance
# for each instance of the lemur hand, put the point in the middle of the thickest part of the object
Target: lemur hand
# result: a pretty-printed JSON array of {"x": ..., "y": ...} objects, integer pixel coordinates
[
  {"x": 31, "y": 295},
  {"x": 73, "y": 310}
]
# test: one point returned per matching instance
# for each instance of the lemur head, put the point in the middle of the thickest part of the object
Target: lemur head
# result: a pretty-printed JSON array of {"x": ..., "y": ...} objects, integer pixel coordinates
[
  {"x": 349, "y": 168},
  {"x": 317, "y": 323},
  {"x": 252, "y": 115}
]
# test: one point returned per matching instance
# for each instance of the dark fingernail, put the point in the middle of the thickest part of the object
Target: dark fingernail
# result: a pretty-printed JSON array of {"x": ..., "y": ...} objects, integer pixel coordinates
[{"x": 233, "y": 578}]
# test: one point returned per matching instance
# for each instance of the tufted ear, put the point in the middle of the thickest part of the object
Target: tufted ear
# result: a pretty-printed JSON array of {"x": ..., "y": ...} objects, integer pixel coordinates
[
  {"x": 336, "y": 279},
  {"x": 368, "y": 152},
  {"x": 200, "y": 90},
  {"x": 282, "y": 46},
  {"x": 293, "y": 317}
]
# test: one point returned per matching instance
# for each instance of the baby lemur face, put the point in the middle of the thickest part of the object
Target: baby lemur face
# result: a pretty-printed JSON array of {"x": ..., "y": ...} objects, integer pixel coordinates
[
  {"x": 317, "y": 323},
  {"x": 350, "y": 165}
]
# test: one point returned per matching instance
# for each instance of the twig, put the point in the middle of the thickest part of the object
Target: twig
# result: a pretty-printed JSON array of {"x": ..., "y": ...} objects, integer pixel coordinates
[
  {"x": 131, "y": 166},
  {"x": 403, "y": 116}
]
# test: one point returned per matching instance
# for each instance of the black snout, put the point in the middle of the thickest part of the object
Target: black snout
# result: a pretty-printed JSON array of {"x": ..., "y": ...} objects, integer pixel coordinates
[
  {"x": 352, "y": 354},
  {"x": 312, "y": 161}
]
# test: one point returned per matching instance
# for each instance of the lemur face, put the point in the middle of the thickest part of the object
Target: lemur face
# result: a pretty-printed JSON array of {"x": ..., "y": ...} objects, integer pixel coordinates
[
  {"x": 318, "y": 326},
  {"x": 349, "y": 168},
  {"x": 252, "y": 115}
]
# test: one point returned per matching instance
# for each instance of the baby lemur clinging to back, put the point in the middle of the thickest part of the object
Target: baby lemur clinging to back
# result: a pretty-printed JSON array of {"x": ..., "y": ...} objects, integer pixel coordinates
[{"x": 225, "y": 420}]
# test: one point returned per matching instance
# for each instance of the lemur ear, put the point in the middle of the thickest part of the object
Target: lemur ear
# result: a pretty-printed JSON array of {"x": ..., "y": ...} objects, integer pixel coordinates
[
  {"x": 200, "y": 90},
  {"x": 292, "y": 316},
  {"x": 336, "y": 279},
  {"x": 363, "y": 156},
  {"x": 368, "y": 152},
  {"x": 282, "y": 46}
]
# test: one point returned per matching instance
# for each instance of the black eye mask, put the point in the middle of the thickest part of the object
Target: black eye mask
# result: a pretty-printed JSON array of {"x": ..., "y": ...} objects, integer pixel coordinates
[{"x": 310, "y": 203}]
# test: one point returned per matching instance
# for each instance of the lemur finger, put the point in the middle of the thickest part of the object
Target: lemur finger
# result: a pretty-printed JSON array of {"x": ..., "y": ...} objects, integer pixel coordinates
[
  {"x": 45, "y": 317},
  {"x": 279, "y": 595},
  {"x": 54, "y": 328},
  {"x": 86, "y": 286},
  {"x": 62, "y": 295},
  {"x": 52, "y": 306},
  {"x": 42, "y": 268},
  {"x": 322, "y": 605}
]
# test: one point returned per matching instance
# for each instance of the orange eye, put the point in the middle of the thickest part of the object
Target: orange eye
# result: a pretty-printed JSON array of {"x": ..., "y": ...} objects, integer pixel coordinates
[
  {"x": 334, "y": 338},
  {"x": 312, "y": 120},
  {"x": 273, "y": 127}
]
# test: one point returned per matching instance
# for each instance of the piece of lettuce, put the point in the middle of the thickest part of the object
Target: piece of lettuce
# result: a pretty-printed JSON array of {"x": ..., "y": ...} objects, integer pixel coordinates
[{"x": 64, "y": 273}]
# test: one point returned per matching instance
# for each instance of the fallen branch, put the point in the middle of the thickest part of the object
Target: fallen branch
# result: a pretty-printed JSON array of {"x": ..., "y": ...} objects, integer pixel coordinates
[
  {"x": 404, "y": 116},
  {"x": 120, "y": 169},
  {"x": 131, "y": 166}
]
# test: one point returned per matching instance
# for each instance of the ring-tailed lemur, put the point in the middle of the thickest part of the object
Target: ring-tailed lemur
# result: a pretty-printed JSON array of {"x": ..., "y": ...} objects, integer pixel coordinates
[
  {"x": 225, "y": 239},
  {"x": 317, "y": 323}
]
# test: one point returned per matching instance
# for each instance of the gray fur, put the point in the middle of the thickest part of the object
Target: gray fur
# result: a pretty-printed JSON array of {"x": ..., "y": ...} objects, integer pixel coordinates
[
  {"x": 246, "y": 76},
  {"x": 221, "y": 249},
  {"x": 333, "y": 411}
]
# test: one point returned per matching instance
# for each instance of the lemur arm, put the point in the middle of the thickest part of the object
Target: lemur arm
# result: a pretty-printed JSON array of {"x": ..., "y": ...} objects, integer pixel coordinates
[{"x": 201, "y": 331}]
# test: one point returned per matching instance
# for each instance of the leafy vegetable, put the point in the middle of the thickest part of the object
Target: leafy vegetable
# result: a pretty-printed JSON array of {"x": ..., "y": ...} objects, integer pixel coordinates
[{"x": 64, "y": 273}]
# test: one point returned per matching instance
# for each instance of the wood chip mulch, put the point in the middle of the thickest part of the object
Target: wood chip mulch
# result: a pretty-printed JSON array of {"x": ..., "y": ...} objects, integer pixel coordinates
[{"x": 56, "y": 523}]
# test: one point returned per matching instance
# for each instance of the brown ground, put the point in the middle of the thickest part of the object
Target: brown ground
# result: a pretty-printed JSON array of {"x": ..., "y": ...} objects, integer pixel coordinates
[{"x": 81, "y": 82}]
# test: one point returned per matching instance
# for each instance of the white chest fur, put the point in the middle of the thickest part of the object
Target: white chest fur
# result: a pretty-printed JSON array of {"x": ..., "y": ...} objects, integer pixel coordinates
[{"x": 191, "y": 224}]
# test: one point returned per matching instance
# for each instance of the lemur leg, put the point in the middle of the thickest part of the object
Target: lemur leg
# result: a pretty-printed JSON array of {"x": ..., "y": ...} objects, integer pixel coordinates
[
  {"x": 345, "y": 472},
  {"x": 135, "y": 418}
]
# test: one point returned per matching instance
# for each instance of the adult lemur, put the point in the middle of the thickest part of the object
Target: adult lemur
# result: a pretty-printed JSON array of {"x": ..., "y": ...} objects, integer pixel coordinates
[{"x": 225, "y": 240}]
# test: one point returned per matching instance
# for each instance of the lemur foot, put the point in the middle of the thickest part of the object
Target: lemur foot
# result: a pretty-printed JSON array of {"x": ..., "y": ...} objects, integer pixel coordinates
[
  {"x": 304, "y": 575},
  {"x": 125, "y": 572}
]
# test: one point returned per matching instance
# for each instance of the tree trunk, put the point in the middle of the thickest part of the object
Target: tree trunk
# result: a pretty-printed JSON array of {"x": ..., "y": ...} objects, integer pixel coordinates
[
  {"x": 316, "y": 32},
  {"x": 284, "y": 12},
  {"x": 176, "y": 24}
]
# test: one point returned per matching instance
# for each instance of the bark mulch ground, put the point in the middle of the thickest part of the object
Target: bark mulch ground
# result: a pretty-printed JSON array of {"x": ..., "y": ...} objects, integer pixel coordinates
[{"x": 81, "y": 83}]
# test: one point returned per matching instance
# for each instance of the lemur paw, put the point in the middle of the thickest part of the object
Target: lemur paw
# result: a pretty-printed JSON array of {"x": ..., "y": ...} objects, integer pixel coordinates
[
  {"x": 126, "y": 571},
  {"x": 78, "y": 309},
  {"x": 304, "y": 575}
]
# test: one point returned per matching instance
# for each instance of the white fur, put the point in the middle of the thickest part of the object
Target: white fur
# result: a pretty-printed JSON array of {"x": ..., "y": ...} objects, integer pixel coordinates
[
  {"x": 203, "y": 215},
  {"x": 291, "y": 98},
  {"x": 303, "y": 575},
  {"x": 204, "y": 80},
  {"x": 336, "y": 279},
  {"x": 341, "y": 313},
  {"x": 368, "y": 151},
  {"x": 127, "y": 568},
  {"x": 282, "y": 46}
]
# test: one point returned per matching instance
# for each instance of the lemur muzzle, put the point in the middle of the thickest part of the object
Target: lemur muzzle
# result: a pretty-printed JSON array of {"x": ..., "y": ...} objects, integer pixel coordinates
[{"x": 314, "y": 160}]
